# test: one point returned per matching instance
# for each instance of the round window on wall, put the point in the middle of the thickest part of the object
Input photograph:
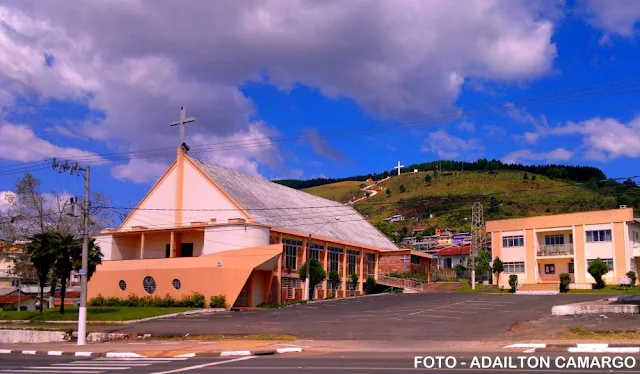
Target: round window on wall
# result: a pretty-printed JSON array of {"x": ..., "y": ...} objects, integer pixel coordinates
[
  {"x": 123, "y": 285},
  {"x": 176, "y": 284},
  {"x": 149, "y": 285}
]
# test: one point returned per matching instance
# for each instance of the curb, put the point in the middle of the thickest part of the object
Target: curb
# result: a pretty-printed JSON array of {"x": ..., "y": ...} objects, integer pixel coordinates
[{"x": 263, "y": 352}]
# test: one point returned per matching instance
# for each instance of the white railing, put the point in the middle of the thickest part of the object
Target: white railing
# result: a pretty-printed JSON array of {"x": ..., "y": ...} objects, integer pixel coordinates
[{"x": 555, "y": 250}]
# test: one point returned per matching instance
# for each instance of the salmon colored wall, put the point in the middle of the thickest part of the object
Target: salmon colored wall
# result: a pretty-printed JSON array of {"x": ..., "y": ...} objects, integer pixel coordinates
[
  {"x": 530, "y": 263},
  {"x": 620, "y": 259},
  {"x": 580, "y": 266},
  {"x": 561, "y": 266},
  {"x": 200, "y": 274},
  {"x": 560, "y": 220}
]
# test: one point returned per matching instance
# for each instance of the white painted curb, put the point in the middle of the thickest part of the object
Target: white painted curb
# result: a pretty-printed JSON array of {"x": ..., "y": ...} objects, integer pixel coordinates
[
  {"x": 235, "y": 353},
  {"x": 123, "y": 355},
  {"x": 288, "y": 350}
]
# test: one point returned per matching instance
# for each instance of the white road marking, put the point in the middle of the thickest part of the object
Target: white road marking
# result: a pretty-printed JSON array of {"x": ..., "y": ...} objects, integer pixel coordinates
[
  {"x": 436, "y": 308},
  {"x": 28, "y": 352},
  {"x": 186, "y": 355},
  {"x": 288, "y": 350},
  {"x": 83, "y": 354},
  {"x": 235, "y": 353},
  {"x": 526, "y": 345},
  {"x": 54, "y": 371},
  {"x": 605, "y": 350},
  {"x": 54, "y": 353},
  {"x": 107, "y": 363},
  {"x": 5, "y": 351},
  {"x": 123, "y": 354},
  {"x": 142, "y": 359},
  {"x": 73, "y": 367},
  {"x": 204, "y": 365},
  {"x": 532, "y": 350}
]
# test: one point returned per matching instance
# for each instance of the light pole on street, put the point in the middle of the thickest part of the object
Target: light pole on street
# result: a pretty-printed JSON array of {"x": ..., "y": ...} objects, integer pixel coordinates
[{"x": 306, "y": 279}]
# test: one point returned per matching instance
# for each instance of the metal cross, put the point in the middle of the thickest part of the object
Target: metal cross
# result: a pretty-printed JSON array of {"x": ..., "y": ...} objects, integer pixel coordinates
[{"x": 183, "y": 121}]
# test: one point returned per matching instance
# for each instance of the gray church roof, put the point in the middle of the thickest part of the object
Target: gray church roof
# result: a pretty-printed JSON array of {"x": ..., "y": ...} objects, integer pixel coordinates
[{"x": 280, "y": 206}]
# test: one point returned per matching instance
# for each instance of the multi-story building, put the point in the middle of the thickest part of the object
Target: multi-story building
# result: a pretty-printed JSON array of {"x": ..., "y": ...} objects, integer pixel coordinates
[{"x": 539, "y": 249}]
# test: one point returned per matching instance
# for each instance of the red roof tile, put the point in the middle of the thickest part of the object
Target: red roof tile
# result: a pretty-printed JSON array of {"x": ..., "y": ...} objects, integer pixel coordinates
[
  {"x": 453, "y": 251},
  {"x": 13, "y": 299},
  {"x": 69, "y": 295}
]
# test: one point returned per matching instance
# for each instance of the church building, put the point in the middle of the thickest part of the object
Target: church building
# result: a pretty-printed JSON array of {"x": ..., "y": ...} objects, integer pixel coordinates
[{"x": 209, "y": 229}]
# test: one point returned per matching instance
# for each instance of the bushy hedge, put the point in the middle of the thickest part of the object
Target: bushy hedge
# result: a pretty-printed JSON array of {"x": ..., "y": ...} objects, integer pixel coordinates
[
  {"x": 195, "y": 300},
  {"x": 218, "y": 302}
]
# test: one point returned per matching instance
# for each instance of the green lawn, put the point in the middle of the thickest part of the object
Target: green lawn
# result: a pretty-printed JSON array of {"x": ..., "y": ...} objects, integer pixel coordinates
[
  {"x": 104, "y": 313},
  {"x": 611, "y": 290}
]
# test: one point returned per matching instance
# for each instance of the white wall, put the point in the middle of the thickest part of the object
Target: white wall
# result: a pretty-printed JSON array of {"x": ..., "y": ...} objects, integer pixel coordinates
[
  {"x": 199, "y": 193},
  {"x": 514, "y": 254},
  {"x": 229, "y": 237},
  {"x": 455, "y": 260},
  {"x": 163, "y": 197},
  {"x": 598, "y": 249}
]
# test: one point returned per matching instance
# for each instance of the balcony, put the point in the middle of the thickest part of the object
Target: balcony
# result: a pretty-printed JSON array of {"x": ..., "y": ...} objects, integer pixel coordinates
[{"x": 555, "y": 250}]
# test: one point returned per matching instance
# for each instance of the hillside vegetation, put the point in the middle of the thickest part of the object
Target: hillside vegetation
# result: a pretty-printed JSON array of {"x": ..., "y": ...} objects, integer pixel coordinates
[{"x": 504, "y": 194}]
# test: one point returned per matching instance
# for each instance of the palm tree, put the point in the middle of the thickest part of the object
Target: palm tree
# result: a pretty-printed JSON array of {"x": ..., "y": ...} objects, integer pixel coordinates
[
  {"x": 68, "y": 249},
  {"x": 40, "y": 251}
]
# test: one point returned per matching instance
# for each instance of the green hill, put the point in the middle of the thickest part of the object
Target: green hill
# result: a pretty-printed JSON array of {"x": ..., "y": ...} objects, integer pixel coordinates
[{"x": 504, "y": 194}]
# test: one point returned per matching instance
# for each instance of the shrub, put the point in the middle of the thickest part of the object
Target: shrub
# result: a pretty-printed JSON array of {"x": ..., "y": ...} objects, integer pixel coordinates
[
  {"x": 219, "y": 301},
  {"x": 597, "y": 269},
  {"x": 97, "y": 301},
  {"x": 388, "y": 192},
  {"x": 565, "y": 279},
  {"x": 632, "y": 275},
  {"x": 335, "y": 280},
  {"x": 427, "y": 178},
  {"x": 9, "y": 308},
  {"x": 513, "y": 282},
  {"x": 354, "y": 282},
  {"x": 371, "y": 284},
  {"x": 402, "y": 189},
  {"x": 195, "y": 300},
  {"x": 111, "y": 301},
  {"x": 498, "y": 267}
]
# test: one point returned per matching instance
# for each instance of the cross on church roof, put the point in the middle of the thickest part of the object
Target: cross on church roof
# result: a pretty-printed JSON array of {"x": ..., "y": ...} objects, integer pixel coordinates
[{"x": 181, "y": 122}]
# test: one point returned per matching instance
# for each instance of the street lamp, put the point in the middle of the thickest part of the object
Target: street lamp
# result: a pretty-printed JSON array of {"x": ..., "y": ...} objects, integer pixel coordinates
[{"x": 306, "y": 279}]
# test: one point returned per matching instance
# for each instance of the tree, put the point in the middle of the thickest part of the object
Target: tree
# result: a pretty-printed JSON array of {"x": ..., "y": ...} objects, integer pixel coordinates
[
  {"x": 40, "y": 251},
  {"x": 428, "y": 178},
  {"x": 386, "y": 228},
  {"x": 494, "y": 205},
  {"x": 533, "y": 178},
  {"x": 371, "y": 284},
  {"x": 633, "y": 277},
  {"x": 334, "y": 280},
  {"x": 402, "y": 189},
  {"x": 513, "y": 282},
  {"x": 498, "y": 267},
  {"x": 388, "y": 192},
  {"x": 354, "y": 282},
  {"x": 525, "y": 177},
  {"x": 316, "y": 275},
  {"x": 66, "y": 252},
  {"x": 597, "y": 269},
  {"x": 565, "y": 279},
  {"x": 367, "y": 194},
  {"x": 482, "y": 262}
]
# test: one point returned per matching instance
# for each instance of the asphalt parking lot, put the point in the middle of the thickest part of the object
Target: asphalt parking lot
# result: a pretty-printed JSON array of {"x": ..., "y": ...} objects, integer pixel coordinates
[{"x": 446, "y": 316}]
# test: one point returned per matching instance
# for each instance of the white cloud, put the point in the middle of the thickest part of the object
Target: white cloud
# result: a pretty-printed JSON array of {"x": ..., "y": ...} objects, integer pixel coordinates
[
  {"x": 466, "y": 126},
  {"x": 493, "y": 131},
  {"x": 141, "y": 60},
  {"x": 450, "y": 147},
  {"x": 20, "y": 143},
  {"x": 542, "y": 128},
  {"x": 526, "y": 155},
  {"x": 605, "y": 139},
  {"x": 139, "y": 170},
  {"x": 618, "y": 17},
  {"x": 5, "y": 198}
]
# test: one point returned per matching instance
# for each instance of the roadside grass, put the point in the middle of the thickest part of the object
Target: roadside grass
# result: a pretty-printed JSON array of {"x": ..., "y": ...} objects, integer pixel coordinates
[
  {"x": 610, "y": 289},
  {"x": 582, "y": 333},
  {"x": 93, "y": 314},
  {"x": 480, "y": 288}
]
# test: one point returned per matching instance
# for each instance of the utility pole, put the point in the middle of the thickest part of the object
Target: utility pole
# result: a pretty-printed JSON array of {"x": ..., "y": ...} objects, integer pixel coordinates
[
  {"x": 85, "y": 172},
  {"x": 477, "y": 237}
]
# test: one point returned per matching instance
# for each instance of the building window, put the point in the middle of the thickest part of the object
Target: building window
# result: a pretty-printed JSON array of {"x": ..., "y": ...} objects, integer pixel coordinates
[
  {"x": 176, "y": 284},
  {"x": 291, "y": 253},
  {"x": 598, "y": 236},
  {"x": 333, "y": 261},
  {"x": 149, "y": 285},
  {"x": 415, "y": 260},
  {"x": 123, "y": 285},
  {"x": 554, "y": 239},
  {"x": 636, "y": 236},
  {"x": 371, "y": 263},
  {"x": 608, "y": 261},
  {"x": 351, "y": 261},
  {"x": 549, "y": 269},
  {"x": 513, "y": 241},
  {"x": 315, "y": 249},
  {"x": 571, "y": 268},
  {"x": 514, "y": 267},
  {"x": 186, "y": 250}
]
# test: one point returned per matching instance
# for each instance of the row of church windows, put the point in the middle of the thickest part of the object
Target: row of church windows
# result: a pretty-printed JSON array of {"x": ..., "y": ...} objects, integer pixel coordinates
[
  {"x": 291, "y": 247},
  {"x": 149, "y": 284}
]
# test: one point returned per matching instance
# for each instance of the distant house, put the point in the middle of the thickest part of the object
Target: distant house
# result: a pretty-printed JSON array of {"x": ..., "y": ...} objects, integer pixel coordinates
[
  {"x": 15, "y": 302},
  {"x": 395, "y": 218},
  {"x": 410, "y": 240},
  {"x": 450, "y": 256},
  {"x": 462, "y": 238}
]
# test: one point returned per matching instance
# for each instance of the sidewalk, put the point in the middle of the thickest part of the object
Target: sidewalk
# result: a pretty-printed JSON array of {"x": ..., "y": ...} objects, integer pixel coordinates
[{"x": 185, "y": 348}]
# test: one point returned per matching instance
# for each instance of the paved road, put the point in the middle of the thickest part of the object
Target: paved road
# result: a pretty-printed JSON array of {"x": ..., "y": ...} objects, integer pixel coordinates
[
  {"x": 310, "y": 363},
  {"x": 443, "y": 316}
]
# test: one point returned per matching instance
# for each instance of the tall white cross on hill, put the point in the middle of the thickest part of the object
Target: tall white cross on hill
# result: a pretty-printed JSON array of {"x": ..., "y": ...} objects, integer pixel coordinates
[
  {"x": 181, "y": 122},
  {"x": 398, "y": 167}
]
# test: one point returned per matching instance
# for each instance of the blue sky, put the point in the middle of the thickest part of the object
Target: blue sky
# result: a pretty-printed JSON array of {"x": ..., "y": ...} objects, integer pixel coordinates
[{"x": 303, "y": 90}]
